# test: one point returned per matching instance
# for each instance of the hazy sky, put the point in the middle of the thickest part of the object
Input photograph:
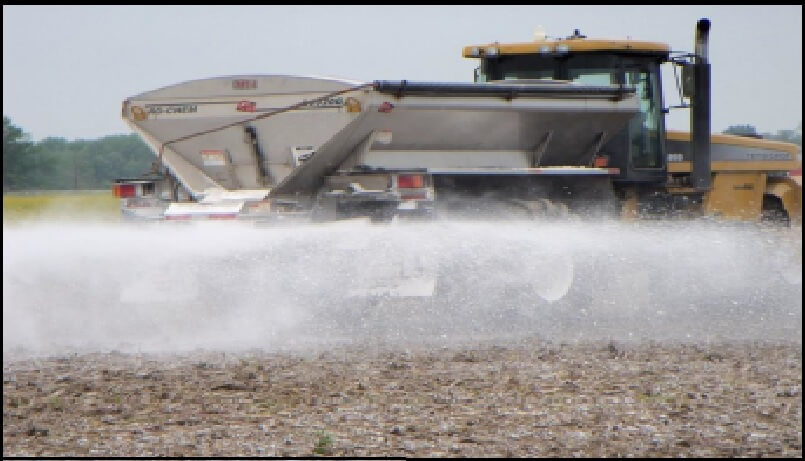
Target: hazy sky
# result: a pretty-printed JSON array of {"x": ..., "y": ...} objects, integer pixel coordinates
[{"x": 67, "y": 69}]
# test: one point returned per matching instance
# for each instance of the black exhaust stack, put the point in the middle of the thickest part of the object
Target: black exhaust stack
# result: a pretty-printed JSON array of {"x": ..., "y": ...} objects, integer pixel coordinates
[{"x": 700, "y": 110}]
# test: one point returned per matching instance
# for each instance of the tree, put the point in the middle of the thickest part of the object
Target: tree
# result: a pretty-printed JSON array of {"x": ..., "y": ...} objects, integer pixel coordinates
[
  {"x": 742, "y": 130},
  {"x": 793, "y": 136},
  {"x": 18, "y": 159},
  {"x": 56, "y": 163}
]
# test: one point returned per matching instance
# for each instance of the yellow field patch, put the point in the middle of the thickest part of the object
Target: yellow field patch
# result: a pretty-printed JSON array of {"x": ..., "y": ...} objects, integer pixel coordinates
[{"x": 62, "y": 206}]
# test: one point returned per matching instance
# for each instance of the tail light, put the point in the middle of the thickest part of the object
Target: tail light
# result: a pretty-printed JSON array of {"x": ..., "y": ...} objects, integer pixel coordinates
[
  {"x": 410, "y": 181},
  {"x": 124, "y": 190}
]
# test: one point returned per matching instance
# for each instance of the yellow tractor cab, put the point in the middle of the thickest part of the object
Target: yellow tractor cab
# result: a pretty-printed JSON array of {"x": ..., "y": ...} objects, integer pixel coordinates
[{"x": 720, "y": 175}]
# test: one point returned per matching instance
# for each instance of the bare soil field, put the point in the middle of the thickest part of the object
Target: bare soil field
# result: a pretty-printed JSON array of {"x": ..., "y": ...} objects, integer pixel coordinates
[{"x": 519, "y": 398}]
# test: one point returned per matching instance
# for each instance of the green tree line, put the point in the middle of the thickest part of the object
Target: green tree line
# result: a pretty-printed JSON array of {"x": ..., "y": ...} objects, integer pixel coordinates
[
  {"x": 793, "y": 136},
  {"x": 59, "y": 164}
]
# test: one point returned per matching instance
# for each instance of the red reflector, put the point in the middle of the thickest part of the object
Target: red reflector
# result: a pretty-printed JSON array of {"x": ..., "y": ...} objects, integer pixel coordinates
[
  {"x": 410, "y": 181},
  {"x": 601, "y": 162},
  {"x": 385, "y": 107},
  {"x": 247, "y": 106},
  {"x": 797, "y": 172},
  {"x": 244, "y": 84},
  {"x": 124, "y": 190}
]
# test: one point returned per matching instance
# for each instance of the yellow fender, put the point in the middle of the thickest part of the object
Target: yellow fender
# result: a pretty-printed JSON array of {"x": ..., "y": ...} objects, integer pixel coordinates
[{"x": 789, "y": 191}]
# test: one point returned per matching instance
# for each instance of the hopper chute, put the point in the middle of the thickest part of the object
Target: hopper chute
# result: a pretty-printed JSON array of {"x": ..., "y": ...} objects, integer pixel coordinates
[{"x": 440, "y": 127}]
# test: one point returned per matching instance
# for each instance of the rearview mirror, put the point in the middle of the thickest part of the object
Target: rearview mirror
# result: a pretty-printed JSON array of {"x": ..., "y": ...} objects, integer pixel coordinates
[{"x": 688, "y": 80}]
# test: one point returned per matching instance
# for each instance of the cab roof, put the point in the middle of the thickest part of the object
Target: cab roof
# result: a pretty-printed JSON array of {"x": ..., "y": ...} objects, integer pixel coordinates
[{"x": 574, "y": 43}]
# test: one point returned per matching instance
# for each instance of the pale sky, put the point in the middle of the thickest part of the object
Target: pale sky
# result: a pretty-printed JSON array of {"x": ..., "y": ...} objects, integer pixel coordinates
[{"x": 67, "y": 69}]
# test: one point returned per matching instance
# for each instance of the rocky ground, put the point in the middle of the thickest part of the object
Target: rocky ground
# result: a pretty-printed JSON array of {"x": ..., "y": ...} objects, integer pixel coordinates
[{"x": 520, "y": 398}]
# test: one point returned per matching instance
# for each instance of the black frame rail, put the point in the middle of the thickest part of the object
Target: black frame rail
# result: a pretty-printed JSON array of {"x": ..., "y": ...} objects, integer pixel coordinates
[{"x": 401, "y": 88}]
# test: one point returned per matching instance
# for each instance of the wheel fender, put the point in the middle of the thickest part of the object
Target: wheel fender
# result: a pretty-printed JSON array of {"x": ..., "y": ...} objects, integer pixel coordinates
[{"x": 790, "y": 194}]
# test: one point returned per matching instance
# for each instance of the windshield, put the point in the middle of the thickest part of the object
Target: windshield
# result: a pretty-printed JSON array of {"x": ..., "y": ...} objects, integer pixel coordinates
[{"x": 644, "y": 129}]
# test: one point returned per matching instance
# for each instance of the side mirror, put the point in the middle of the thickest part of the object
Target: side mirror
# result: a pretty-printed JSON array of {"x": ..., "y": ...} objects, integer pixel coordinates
[{"x": 688, "y": 80}]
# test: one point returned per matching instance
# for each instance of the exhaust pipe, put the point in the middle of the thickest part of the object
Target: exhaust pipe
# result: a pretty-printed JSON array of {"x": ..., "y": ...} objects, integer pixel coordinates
[{"x": 700, "y": 110}]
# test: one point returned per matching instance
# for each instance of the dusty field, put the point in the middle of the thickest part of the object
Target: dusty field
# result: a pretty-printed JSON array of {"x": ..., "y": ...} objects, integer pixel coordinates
[
  {"x": 481, "y": 369},
  {"x": 521, "y": 398}
]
